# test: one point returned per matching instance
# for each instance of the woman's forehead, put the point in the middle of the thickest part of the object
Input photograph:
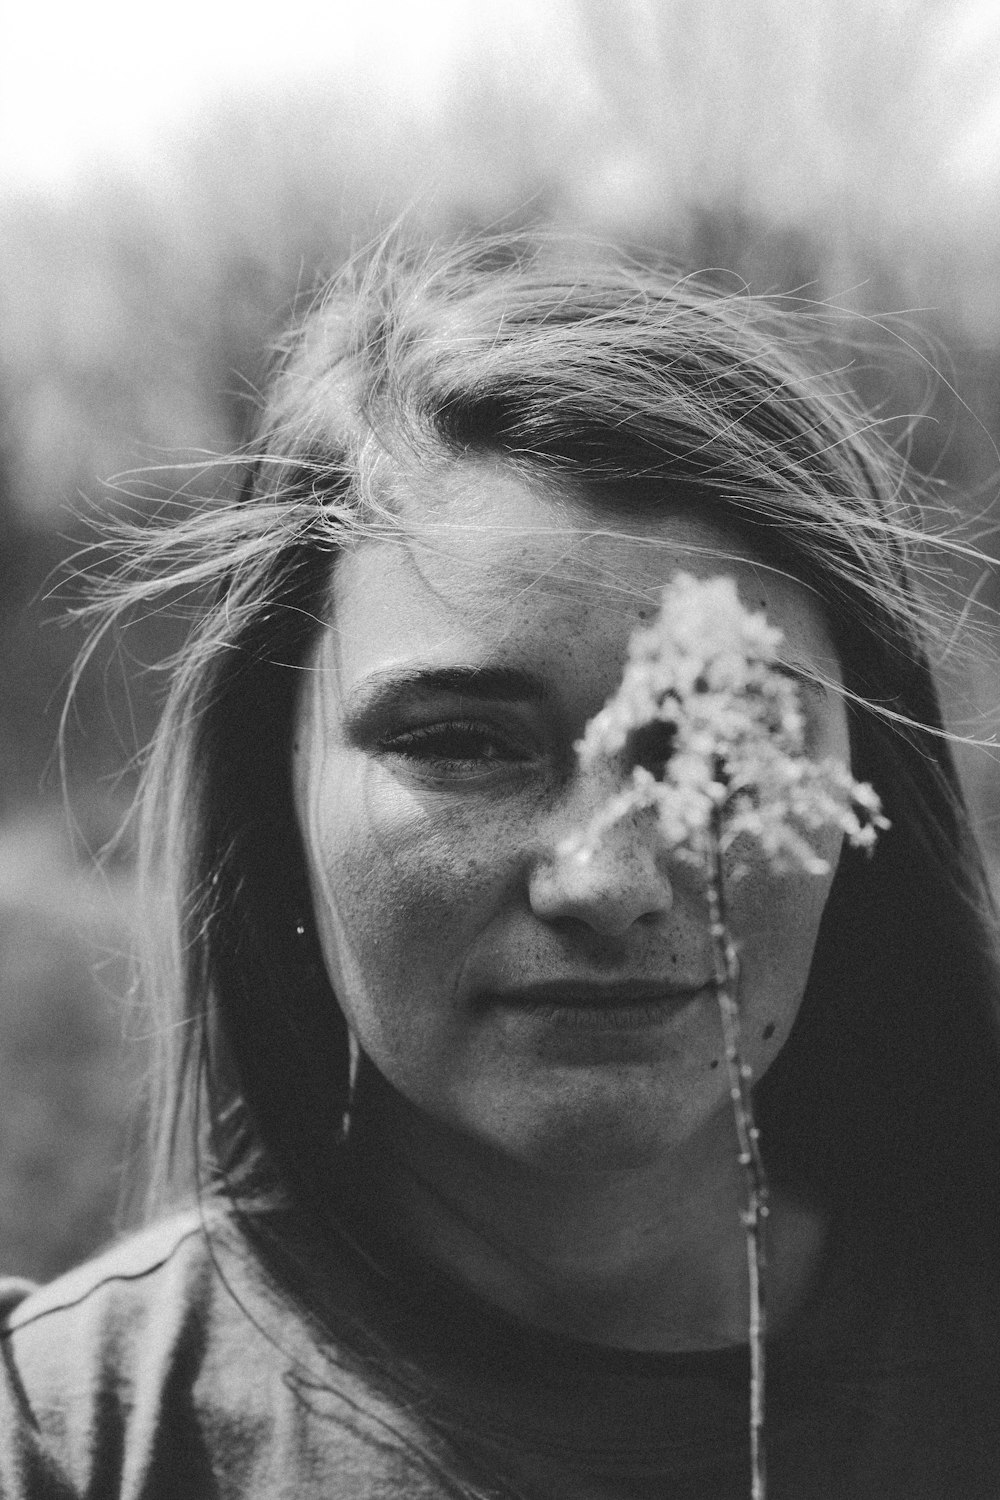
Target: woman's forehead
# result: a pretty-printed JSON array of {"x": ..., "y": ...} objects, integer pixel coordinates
[
  {"x": 485, "y": 561},
  {"x": 481, "y": 524}
]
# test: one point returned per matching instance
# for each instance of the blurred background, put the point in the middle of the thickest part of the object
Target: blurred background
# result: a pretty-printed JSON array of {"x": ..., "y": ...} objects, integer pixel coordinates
[{"x": 171, "y": 180}]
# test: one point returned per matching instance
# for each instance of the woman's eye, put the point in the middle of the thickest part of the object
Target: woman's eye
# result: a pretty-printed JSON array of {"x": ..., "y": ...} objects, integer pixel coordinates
[{"x": 458, "y": 744}]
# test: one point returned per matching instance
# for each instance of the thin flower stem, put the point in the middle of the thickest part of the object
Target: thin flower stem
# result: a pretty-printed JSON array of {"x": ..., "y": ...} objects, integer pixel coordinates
[
  {"x": 730, "y": 737},
  {"x": 726, "y": 970}
]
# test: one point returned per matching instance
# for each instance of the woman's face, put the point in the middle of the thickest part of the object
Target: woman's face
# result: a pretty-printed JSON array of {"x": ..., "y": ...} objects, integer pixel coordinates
[{"x": 559, "y": 1011}]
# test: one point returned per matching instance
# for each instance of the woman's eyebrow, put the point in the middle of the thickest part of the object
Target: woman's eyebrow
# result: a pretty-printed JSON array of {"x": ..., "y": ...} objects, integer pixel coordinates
[
  {"x": 495, "y": 684},
  {"x": 492, "y": 683}
]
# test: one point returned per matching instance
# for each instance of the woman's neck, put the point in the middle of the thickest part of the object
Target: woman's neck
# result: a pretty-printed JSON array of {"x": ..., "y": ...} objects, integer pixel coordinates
[{"x": 649, "y": 1257}]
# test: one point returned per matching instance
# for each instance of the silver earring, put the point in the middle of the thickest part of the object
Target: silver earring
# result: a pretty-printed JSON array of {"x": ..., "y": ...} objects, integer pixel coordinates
[
  {"x": 353, "y": 1064},
  {"x": 353, "y": 1057}
]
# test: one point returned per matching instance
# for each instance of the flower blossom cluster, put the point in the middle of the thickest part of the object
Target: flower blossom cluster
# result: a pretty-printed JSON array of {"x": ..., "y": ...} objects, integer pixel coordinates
[{"x": 711, "y": 722}]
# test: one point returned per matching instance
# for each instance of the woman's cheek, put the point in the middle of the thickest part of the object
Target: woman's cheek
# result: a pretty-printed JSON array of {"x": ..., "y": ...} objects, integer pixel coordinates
[
  {"x": 776, "y": 921},
  {"x": 404, "y": 879}
]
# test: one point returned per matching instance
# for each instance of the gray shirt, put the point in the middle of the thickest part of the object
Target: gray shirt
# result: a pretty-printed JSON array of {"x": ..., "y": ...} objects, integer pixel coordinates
[{"x": 174, "y": 1367}]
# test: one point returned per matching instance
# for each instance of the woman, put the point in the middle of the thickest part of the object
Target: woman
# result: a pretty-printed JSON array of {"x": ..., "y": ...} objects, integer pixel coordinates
[{"x": 449, "y": 1098}]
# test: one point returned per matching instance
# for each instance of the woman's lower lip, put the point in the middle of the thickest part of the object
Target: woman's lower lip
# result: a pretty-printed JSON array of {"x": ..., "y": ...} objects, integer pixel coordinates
[{"x": 618, "y": 1014}]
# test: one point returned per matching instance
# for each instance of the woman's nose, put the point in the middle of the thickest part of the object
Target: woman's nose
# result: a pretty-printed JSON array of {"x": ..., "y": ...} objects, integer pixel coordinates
[{"x": 623, "y": 880}]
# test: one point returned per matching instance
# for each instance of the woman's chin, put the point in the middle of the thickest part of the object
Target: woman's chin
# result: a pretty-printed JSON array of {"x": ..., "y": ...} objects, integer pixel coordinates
[{"x": 599, "y": 1129}]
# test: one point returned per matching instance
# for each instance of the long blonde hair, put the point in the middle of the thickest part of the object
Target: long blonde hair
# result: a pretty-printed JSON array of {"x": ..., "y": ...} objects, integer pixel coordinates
[{"x": 631, "y": 384}]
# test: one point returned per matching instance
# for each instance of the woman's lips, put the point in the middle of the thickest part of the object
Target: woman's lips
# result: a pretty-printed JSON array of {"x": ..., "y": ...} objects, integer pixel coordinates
[{"x": 595, "y": 1004}]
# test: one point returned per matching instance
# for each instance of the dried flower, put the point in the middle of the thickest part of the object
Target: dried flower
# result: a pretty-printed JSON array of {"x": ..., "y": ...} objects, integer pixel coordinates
[{"x": 705, "y": 698}]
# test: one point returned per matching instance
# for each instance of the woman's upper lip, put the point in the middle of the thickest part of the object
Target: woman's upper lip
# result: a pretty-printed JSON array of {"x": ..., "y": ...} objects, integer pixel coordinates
[{"x": 598, "y": 994}]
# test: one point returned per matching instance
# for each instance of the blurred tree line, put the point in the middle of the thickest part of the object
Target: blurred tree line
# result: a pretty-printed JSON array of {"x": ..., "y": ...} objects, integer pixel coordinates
[{"x": 137, "y": 310}]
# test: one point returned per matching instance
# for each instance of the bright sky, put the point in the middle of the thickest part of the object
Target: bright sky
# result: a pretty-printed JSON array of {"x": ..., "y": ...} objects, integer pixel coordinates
[
  {"x": 82, "y": 80},
  {"x": 86, "y": 79}
]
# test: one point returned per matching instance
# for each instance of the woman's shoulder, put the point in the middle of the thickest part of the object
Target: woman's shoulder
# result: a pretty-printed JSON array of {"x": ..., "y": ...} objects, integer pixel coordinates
[
  {"x": 75, "y": 1353},
  {"x": 134, "y": 1270},
  {"x": 167, "y": 1365}
]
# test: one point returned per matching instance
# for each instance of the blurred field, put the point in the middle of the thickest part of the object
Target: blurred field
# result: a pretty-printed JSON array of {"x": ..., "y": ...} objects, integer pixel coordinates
[
  {"x": 69, "y": 1064},
  {"x": 852, "y": 158}
]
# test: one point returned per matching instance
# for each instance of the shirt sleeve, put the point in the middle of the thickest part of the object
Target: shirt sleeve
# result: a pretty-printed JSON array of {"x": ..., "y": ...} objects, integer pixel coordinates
[{"x": 88, "y": 1372}]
